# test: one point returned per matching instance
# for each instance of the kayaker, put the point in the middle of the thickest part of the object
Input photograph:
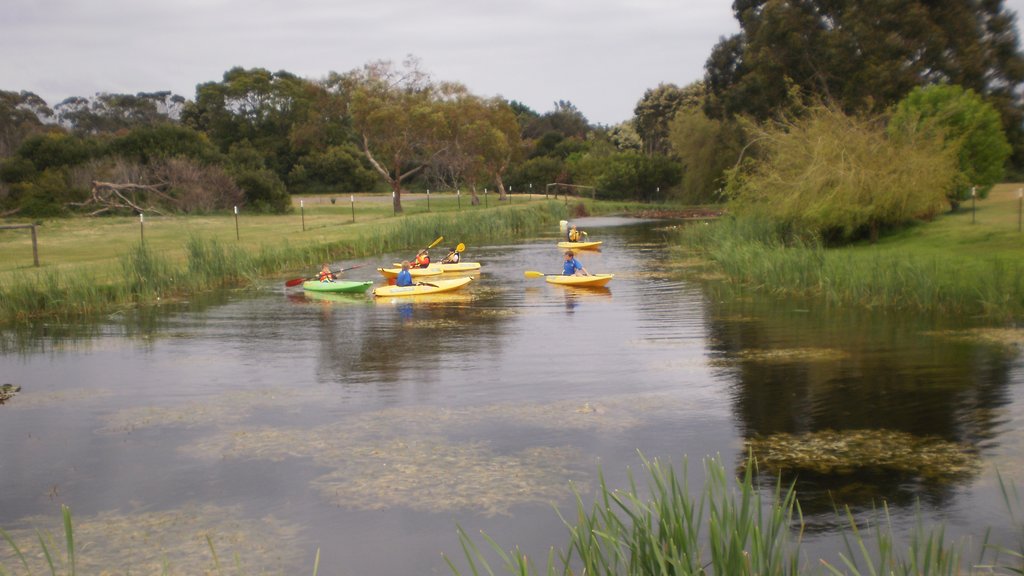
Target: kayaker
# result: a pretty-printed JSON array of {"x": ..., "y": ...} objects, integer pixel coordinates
[
  {"x": 452, "y": 257},
  {"x": 325, "y": 274},
  {"x": 576, "y": 235},
  {"x": 572, "y": 266},
  {"x": 404, "y": 277},
  {"x": 422, "y": 259}
]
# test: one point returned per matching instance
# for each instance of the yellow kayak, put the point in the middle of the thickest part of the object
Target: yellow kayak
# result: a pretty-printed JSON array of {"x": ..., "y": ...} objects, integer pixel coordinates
[
  {"x": 432, "y": 287},
  {"x": 457, "y": 267},
  {"x": 594, "y": 280},
  {"x": 393, "y": 272},
  {"x": 580, "y": 245}
]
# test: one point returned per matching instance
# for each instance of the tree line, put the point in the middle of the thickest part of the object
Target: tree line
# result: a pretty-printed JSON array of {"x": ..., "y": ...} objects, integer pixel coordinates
[{"x": 917, "y": 75}]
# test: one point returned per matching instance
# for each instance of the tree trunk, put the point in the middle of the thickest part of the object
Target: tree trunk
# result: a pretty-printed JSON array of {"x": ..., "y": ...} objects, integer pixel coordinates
[{"x": 501, "y": 186}]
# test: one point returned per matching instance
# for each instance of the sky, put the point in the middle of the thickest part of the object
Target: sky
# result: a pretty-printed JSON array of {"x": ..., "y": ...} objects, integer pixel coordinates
[{"x": 601, "y": 55}]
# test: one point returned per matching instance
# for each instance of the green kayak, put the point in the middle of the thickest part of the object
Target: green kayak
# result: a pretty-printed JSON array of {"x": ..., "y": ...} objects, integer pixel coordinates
[{"x": 344, "y": 286}]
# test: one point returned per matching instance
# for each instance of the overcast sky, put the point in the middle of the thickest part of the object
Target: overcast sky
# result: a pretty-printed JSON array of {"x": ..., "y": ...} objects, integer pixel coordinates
[{"x": 599, "y": 54}]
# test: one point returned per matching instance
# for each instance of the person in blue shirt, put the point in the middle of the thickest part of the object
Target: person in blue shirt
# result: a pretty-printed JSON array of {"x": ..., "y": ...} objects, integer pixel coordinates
[
  {"x": 572, "y": 266},
  {"x": 404, "y": 277}
]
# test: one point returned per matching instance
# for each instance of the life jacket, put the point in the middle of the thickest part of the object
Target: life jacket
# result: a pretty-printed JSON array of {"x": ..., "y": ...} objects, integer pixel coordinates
[
  {"x": 451, "y": 258},
  {"x": 422, "y": 261},
  {"x": 325, "y": 276},
  {"x": 574, "y": 235}
]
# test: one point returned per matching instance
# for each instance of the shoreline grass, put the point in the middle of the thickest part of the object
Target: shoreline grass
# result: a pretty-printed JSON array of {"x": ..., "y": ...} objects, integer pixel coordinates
[{"x": 960, "y": 264}]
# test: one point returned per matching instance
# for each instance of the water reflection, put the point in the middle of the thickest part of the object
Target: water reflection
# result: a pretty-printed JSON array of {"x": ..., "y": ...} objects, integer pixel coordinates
[{"x": 802, "y": 371}]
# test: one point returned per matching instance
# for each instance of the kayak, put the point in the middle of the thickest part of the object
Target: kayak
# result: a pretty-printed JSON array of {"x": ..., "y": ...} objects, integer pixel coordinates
[
  {"x": 393, "y": 272},
  {"x": 580, "y": 245},
  {"x": 592, "y": 281},
  {"x": 433, "y": 287},
  {"x": 338, "y": 286},
  {"x": 457, "y": 267}
]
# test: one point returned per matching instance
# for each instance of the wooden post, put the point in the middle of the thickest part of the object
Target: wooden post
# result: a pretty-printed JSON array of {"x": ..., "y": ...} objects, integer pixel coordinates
[
  {"x": 142, "y": 228},
  {"x": 394, "y": 208},
  {"x": 35, "y": 248},
  {"x": 428, "y": 199},
  {"x": 352, "y": 200},
  {"x": 302, "y": 212},
  {"x": 485, "y": 197},
  {"x": 1020, "y": 210},
  {"x": 974, "y": 196},
  {"x": 237, "y": 236},
  {"x": 458, "y": 195}
]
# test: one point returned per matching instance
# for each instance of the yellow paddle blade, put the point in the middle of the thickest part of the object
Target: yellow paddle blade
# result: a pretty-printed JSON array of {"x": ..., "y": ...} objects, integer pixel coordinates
[
  {"x": 436, "y": 242},
  {"x": 533, "y": 274},
  {"x": 460, "y": 247}
]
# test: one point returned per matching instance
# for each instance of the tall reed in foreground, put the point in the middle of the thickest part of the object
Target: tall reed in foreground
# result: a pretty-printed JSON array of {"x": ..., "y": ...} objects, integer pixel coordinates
[{"x": 725, "y": 530}]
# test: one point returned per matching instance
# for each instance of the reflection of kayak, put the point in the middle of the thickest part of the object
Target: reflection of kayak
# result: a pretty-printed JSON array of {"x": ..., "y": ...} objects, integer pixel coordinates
[
  {"x": 456, "y": 297},
  {"x": 338, "y": 286},
  {"x": 457, "y": 267},
  {"x": 433, "y": 287},
  {"x": 592, "y": 281},
  {"x": 580, "y": 245},
  {"x": 393, "y": 272},
  {"x": 342, "y": 297}
]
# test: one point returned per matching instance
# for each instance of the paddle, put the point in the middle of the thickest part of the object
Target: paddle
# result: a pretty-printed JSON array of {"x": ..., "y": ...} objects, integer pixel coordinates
[
  {"x": 434, "y": 243},
  {"x": 297, "y": 281},
  {"x": 535, "y": 274}
]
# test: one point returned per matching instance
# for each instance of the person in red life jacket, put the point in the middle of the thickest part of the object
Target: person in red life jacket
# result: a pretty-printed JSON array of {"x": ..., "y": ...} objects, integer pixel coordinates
[
  {"x": 325, "y": 274},
  {"x": 422, "y": 259}
]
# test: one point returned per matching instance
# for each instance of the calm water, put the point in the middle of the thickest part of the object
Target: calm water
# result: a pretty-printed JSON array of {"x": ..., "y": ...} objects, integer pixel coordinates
[{"x": 372, "y": 429}]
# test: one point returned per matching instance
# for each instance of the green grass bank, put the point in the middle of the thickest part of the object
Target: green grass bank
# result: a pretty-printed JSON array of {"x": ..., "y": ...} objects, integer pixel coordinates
[{"x": 969, "y": 262}]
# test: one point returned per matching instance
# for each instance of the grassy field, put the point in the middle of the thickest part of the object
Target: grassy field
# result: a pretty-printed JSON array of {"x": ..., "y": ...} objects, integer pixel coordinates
[
  {"x": 966, "y": 262},
  {"x": 71, "y": 244}
]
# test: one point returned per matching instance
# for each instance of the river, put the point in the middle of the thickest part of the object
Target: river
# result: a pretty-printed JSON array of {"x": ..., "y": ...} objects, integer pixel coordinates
[{"x": 276, "y": 424}]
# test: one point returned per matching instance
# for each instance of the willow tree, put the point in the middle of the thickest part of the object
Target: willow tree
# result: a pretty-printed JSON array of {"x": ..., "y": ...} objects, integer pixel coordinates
[
  {"x": 399, "y": 118},
  {"x": 833, "y": 176}
]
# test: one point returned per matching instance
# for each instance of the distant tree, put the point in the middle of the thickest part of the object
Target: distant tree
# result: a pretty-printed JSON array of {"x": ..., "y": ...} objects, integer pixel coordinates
[
  {"x": 968, "y": 125},
  {"x": 625, "y": 138},
  {"x": 397, "y": 114},
  {"x": 333, "y": 169},
  {"x": 866, "y": 55},
  {"x": 21, "y": 115},
  {"x": 112, "y": 112},
  {"x": 706, "y": 148},
  {"x": 565, "y": 119},
  {"x": 654, "y": 112},
  {"x": 257, "y": 105},
  {"x": 149, "y": 143},
  {"x": 835, "y": 177}
]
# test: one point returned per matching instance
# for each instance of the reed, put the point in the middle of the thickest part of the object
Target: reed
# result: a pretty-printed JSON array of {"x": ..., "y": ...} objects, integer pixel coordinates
[
  {"x": 754, "y": 253},
  {"x": 725, "y": 530},
  {"x": 146, "y": 275}
]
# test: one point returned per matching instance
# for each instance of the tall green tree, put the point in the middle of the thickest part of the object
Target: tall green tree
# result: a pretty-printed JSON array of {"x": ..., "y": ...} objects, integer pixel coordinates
[
  {"x": 865, "y": 55},
  {"x": 398, "y": 115},
  {"x": 969, "y": 127}
]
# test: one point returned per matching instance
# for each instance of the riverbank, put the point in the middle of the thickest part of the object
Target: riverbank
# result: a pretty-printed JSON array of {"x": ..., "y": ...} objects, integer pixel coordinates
[{"x": 966, "y": 262}]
